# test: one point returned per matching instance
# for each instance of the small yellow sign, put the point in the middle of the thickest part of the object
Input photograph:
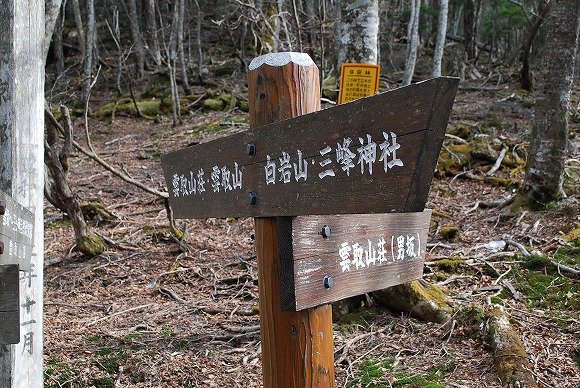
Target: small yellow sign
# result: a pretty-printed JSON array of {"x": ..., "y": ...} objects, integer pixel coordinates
[{"x": 358, "y": 80}]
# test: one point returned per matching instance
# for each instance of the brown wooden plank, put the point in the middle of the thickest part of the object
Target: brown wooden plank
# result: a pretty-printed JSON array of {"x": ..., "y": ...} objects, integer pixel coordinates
[
  {"x": 405, "y": 112},
  {"x": 9, "y": 304},
  {"x": 297, "y": 347},
  {"x": 310, "y": 258}
]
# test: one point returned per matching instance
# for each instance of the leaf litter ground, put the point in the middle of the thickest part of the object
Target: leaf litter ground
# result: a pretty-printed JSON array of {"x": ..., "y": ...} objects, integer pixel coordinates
[{"x": 146, "y": 314}]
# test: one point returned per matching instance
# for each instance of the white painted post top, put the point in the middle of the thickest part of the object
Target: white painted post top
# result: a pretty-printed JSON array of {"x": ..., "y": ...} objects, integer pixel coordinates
[{"x": 281, "y": 59}]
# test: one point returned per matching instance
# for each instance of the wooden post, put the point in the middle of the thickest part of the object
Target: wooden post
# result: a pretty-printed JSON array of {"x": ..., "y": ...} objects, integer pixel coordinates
[
  {"x": 297, "y": 347},
  {"x": 22, "y": 172}
]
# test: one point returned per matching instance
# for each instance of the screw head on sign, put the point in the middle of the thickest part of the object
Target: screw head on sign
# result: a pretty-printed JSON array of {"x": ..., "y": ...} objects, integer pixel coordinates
[
  {"x": 328, "y": 282},
  {"x": 1, "y": 247},
  {"x": 326, "y": 231},
  {"x": 251, "y": 149},
  {"x": 252, "y": 198},
  {"x": 2, "y": 208}
]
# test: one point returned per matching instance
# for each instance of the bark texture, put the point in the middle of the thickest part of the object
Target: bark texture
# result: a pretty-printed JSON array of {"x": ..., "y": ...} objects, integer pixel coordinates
[
  {"x": 359, "y": 31},
  {"x": 412, "y": 42},
  {"x": 441, "y": 33},
  {"x": 545, "y": 165}
]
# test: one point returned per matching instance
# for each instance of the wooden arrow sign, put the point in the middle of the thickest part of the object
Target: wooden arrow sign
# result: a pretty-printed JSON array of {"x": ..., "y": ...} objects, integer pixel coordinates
[{"x": 373, "y": 155}]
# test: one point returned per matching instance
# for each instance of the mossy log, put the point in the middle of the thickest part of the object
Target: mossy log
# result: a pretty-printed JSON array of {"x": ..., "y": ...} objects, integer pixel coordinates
[
  {"x": 418, "y": 298},
  {"x": 511, "y": 359}
]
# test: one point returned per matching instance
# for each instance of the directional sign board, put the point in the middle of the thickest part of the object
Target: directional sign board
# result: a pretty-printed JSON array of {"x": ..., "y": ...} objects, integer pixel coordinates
[
  {"x": 373, "y": 155},
  {"x": 327, "y": 258},
  {"x": 16, "y": 232}
]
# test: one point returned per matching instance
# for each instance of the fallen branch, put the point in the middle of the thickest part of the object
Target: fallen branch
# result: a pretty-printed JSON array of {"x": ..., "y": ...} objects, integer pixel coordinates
[
  {"x": 497, "y": 164},
  {"x": 511, "y": 359}
]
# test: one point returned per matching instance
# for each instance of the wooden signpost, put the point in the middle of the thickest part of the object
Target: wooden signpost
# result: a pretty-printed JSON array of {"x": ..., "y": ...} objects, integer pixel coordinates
[{"x": 338, "y": 197}]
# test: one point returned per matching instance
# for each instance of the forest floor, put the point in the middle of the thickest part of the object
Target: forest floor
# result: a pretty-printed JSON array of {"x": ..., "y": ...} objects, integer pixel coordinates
[{"x": 148, "y": 314}]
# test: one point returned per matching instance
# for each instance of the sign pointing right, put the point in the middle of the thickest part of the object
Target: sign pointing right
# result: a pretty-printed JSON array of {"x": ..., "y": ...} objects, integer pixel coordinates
[{"x": 373, "y": 155}]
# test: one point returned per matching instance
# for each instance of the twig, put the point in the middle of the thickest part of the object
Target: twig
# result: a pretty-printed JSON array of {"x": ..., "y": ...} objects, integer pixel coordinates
[
  {"x": 497, "y": 164},
  {"x": 171, "y": 293},
  {"x": 517, "y": 245},
  {"x": 121, "y": 313}
]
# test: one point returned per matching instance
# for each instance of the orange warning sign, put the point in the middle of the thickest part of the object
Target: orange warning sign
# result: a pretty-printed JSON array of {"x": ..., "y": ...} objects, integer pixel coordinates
[{"x": 358, "y": 80}]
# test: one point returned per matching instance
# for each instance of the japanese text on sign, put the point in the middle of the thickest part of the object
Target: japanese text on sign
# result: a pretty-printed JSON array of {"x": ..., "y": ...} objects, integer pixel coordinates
[
  {"x": 347, "y": 157},
  {"x": 399, "y": 248},
  {"x": 358, "y": 80}
]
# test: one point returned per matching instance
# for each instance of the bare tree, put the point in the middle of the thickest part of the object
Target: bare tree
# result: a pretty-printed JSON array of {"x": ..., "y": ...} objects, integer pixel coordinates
[
  {"x": 88, "y": 58},
  {"x": 79, "y": 24},
  {"x": 526, "y": 80},
  {"x": 441, "y": 34},
  {"x": 412, "y": 42},
  {"x": 545, "y": 164},
  {"x": 136, "y": 37}
]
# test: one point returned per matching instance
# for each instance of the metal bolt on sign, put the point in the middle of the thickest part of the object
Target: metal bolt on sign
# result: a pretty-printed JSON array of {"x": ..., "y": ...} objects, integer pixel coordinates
[{"x": 326, "y": 231}]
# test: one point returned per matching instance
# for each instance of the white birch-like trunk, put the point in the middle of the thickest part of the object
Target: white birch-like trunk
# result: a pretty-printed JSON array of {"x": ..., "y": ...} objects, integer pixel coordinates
[
  {"x": 51, "y": 15},
  {"x": 441, "y": 33},
  {"x": 359, "y": 31},
  {"x": 412, "y": 42},
  {"x": 22, "y": 171},
  {"x": 88, "y": 59}
]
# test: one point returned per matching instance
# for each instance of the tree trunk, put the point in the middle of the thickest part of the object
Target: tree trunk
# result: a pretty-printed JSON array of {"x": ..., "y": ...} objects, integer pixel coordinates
[
  {"x": 58, "y": 191},
  {"x": 359, "y": 31},
  {"x": 412, "y": 42},
  {"x": 136, "y": 37},
  {"x": 79, "y": 24},
  {"x": 545, "y": 165},
  {"x": 151, "y": 32},
  {"x": 88, "y": 59},
  {"x": 526, "y": 80},
  {"x": 51, "y": 15},
  {"x": 180, "y": 50},
  {"x": 57, "y": 47},
  {"x": 470, "y": 23},
  {"x": 441, "y": 33}
]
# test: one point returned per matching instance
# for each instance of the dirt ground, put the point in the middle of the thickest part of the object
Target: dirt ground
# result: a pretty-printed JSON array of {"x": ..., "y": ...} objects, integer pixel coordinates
[{"x": 147, "y": 314}]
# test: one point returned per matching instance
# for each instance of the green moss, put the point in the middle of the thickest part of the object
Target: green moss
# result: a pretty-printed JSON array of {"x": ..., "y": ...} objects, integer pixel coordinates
[
  {"x": 213, "y": 104},
  {"x": 91, "y": 245},
  {"x": 449, "y": 233},
  {"x": 450, "y": 264},
  {"x": 503, "y": 182},
  {"x": 360, "y": 317},
  {"x": 329, "y": 89},
  {"x": 381, "y": 374},
  {"x": 462, "y": 131}
]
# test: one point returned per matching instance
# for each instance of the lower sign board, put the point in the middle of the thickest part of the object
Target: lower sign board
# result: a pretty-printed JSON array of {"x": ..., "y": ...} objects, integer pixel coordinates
[
  {"x": 9, "y": 304},
  {"x": 382, "y": 148},
  {"x": 16, "y": 233},
  {"x": 328, "y": 258}
]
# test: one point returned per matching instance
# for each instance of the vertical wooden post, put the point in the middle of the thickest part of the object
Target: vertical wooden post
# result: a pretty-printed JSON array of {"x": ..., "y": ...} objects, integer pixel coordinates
[
  {"x": 22, "y": 172},
  {"x": 297, "y": 347}
]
